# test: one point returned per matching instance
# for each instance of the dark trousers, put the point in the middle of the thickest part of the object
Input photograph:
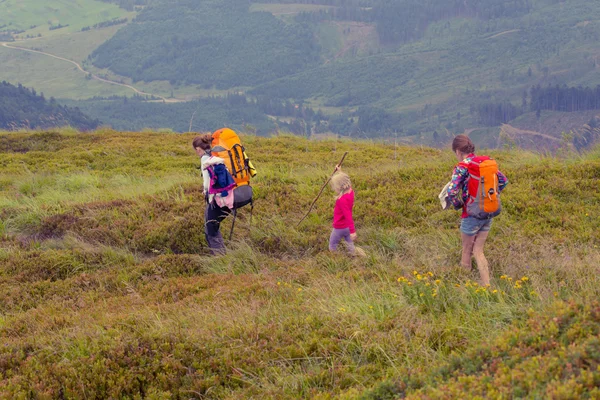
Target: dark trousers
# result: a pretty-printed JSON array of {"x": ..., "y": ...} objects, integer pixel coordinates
[{"x": 213, "y": 215}]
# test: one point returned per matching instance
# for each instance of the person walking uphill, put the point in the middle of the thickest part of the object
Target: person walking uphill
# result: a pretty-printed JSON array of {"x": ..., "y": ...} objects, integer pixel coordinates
[
  {"x": 475, "y": 188},
  {"x": 343, "y": 224},
  {"x": 218, "y": 206}
]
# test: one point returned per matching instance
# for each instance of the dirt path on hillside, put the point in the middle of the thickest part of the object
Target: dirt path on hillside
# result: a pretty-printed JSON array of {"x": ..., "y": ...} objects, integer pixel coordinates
[
  {"x": 95, "y": 77},
  {"x": 504, "y": 33},
  {"x": 512, "y": 131}
]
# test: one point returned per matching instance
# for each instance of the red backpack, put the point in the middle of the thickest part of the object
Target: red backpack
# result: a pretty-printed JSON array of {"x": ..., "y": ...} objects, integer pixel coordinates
[{"x": 483, "y": 202}]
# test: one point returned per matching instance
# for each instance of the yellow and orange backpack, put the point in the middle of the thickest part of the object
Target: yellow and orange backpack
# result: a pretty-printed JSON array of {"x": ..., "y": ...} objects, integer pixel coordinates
[{"x": 226, "y": 144}]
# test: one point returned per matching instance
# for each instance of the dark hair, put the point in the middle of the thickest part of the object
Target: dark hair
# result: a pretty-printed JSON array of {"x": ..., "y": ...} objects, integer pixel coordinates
[
  {"x": 463, "y": 144},
  {"x": 203, "y": 141}
]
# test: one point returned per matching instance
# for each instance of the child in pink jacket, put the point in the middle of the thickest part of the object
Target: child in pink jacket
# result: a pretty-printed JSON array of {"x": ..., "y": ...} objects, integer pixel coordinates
[{"x": 343, "y": 224}]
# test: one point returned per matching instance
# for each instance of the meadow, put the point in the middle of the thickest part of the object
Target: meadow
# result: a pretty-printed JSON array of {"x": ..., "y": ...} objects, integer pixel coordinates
[
  {"x": 35, "y": 16},
  {"x": 108, "y": 290}
]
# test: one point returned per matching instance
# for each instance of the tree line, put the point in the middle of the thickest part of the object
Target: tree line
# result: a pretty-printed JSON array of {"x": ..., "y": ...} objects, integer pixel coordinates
[{"x": 552, "y": 98}]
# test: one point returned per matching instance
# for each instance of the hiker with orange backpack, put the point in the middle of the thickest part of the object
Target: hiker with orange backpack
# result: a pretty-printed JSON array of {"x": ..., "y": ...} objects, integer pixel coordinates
[
  {"x": 226, "y": 172},
  {"x": 480, "y": 182}
]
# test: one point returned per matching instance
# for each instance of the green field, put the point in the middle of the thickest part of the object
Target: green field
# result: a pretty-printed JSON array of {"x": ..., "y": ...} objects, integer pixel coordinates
[
  {"x": 109, "y": 291},
  {"x": 51, "y": 76},
  {"x": 24, "y": 14}
]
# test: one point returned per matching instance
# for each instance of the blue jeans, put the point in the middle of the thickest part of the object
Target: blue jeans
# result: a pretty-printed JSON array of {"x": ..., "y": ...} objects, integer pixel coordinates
[{"x": 471, "y": 226}]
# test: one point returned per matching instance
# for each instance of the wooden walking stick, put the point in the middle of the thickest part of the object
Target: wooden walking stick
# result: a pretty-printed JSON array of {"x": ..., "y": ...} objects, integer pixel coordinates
[{"x": 323, "y": 188}]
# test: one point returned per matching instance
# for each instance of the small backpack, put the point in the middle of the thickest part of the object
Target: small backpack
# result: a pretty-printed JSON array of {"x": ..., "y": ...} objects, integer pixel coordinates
[
  {"x": 221, "y": 180},
  {"x": 484, "y": 199}
]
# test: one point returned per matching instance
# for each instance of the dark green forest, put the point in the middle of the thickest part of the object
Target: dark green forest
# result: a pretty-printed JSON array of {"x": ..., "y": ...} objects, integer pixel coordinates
[
  {"x": 212, "y": 43},
  {"x": 23, "y": 108}
]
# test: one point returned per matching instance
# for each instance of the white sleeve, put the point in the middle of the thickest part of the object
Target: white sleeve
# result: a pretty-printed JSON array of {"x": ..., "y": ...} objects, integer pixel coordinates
[{"x": 205, "y": 176}]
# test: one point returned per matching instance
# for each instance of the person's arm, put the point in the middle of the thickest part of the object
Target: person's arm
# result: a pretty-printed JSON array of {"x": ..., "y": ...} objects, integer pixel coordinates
[
  {"x": 459, "y": 175},
  {"x": 502, "y": 181},
  {"x": 347, "y": 212},
  {"x": 205, "y": 176}
]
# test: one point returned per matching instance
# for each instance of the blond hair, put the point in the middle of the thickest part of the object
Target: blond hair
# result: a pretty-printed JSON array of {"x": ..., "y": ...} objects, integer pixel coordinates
[{"x": 340, "y": 183}]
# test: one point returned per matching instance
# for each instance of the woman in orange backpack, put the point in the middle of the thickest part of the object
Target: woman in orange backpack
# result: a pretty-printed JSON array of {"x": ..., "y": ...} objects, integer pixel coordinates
[
  {"x": 214, "y": 213},
  {"x": 474, "y": 231}
]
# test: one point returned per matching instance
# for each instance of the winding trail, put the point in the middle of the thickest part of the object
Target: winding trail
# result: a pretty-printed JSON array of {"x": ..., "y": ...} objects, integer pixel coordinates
[
  {"x": 95, "y": 77},
  {"x": 504, "y": 33}
]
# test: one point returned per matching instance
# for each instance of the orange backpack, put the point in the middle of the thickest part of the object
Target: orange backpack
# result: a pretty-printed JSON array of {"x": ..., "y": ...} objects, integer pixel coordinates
[
  {"x": 484, "y": 201},
  {"x": 226, "y": 144}
]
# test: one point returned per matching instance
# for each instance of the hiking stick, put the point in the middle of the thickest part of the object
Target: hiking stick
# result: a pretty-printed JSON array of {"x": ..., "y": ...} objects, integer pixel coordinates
[{"x": 323, "y": 188}]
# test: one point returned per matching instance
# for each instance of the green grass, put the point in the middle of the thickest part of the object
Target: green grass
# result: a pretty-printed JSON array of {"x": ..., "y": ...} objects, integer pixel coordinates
[
  {"x": 108, "y": 289},
  {"x": 51, "y": 76},
  {"x": 23, "y": 14}
]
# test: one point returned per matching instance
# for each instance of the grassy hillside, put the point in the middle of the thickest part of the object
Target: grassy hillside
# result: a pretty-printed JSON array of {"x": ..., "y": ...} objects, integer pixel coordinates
[
  {"x": 108, "y": 290},
  {"x": 54, "y": 77},
  {"x": 37, "y": 16}
]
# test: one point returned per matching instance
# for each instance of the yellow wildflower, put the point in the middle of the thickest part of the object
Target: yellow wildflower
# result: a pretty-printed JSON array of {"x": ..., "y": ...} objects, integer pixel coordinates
[
  {"x": 299, "y": 289},
  {"x": 419, "y": 277},
  {"x": 437, "y": 281},
  {"x": 415, "y": 272},
  {"x": 430, "y": 273},
  {"x": 428, "y": 284},
  {"x": 524, "y": 279},
  {"x": 503, "y": 277},
  {"x": 278, "y": 283},
  {"x": 421, "y": 295},
  {"x": 509, "y": 279},
  {"x": 495, "y": 291},
  {"x": 457, "y": 284}
]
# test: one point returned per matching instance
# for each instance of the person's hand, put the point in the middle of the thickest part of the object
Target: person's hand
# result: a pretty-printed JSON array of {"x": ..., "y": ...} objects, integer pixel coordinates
[{"x": 353, "y": 237}]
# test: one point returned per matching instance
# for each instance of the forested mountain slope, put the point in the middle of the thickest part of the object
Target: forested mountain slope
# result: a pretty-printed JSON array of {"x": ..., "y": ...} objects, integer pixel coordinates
[
  {"x": 432, "y": 63},
  {"x": 24, "y": 108},
  {"x": 213, "y": 42}
]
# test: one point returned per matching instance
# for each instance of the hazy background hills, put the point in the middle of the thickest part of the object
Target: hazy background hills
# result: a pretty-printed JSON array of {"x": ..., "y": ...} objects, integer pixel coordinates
[{"x": 418, "y": 71}]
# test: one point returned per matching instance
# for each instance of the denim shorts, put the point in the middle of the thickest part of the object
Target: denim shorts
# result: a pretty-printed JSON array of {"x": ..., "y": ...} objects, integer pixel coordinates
[{"x": 471, "y": 226}]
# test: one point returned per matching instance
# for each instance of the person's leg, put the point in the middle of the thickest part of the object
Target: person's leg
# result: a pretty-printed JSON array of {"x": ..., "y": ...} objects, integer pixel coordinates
[
  {"x": 212, "y": 223},
  {"x": 468, "y": 229},
  {"x": 482, "y": 263},
  {"x": 349, "y": 242},
  {"x": 467, "y": 250},
  {"x": 335, "y": 238}
]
